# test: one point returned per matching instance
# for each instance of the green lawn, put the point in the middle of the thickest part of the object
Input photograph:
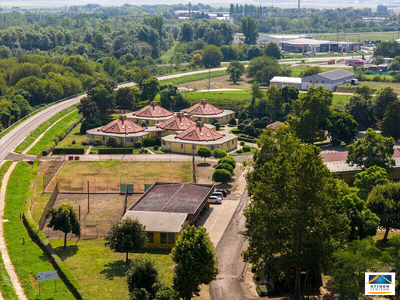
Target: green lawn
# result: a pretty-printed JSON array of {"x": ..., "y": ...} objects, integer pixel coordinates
[
  {"x": 27, "y": 258},
  {"x": 339, "y": 101},
  {"x": 6, "y": 287},
  {"x": 74, "y": 135},
  {"x": 194, "y": 77},
  {"x": 41, "y": 128},
  {"x": 222, "y": 99},
  {"x": 101, "y": 272},
  {"x": 59, "y": 129}
]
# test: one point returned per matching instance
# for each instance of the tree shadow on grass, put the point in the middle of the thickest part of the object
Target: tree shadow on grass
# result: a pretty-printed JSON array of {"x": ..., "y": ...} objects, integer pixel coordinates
[
  {"x": 203, "y": 164},
  {"x": 116, "y": 268},
  {"x": 64, "y": 253}
]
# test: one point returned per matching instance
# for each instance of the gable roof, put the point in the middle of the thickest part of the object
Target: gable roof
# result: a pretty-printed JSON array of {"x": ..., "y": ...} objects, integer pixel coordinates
[
  {"x": 275, "y": 125},
  {"x": 199, "y": 132},
  {"x": 153, "y": 111},
  {"x": 336, "y": 74},
  {"x": 203, "y": 108},
  {"x": 177, "y": 123},
  {"x": 122, "y": 126},
  {"x": 159, "y": 221}
]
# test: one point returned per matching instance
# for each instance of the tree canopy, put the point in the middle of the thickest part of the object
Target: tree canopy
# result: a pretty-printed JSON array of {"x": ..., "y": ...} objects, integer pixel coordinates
[
  {"x": 341, "y": 128},
  {"x": 372, "y": 150},
  {"x": 127, "y": 235},
  {"x": 204, "y": 152},
  {"x": 390, "y": 125},
  {"x": 249, "y": 28},
  {"x": 195, "y": 262},
  {"x": 263, "y": 69},
  {"x": 371, "y": 177},
  {"x": 295, "y": 199},
  {"x": 65, "y": 219}
]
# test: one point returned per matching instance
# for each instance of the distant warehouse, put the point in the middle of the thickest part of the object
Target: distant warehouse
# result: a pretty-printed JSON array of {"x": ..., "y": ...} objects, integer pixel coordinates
[
  {"x": 328, "y": 80},
  {"x": 281, "y": 81}
]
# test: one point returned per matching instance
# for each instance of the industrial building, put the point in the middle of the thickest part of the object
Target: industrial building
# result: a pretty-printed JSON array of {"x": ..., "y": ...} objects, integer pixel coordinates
[
  {"x": 328, "y": 80},
  {"x": 281, "y": 81}
]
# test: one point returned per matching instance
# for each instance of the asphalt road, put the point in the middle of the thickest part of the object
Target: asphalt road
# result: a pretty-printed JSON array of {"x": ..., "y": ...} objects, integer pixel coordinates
[{"x": 229, "y": 284}]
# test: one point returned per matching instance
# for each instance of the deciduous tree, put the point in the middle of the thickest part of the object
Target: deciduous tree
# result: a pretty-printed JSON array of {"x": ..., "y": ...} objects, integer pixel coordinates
[
  {"x": 65, "y": 219},
  {"x": 371, "y": 177},
  {"x": 361, "y": 110},
  {"x": 272, "y": 49},
  {"x": 249, "y": 27},
  {"x": 127, "y": 235},
  {"x": 212, "y": 56},
  {"x": 382, "y": 101},
  {"x": 341, "y": 128},
  {"x": 124, "y": 98},
  {"x": 195, "y": 262},
  {"x": 204, "y": 152},
  {"x": 263, "y": 69},
  {"x": 390, "y": 125}
]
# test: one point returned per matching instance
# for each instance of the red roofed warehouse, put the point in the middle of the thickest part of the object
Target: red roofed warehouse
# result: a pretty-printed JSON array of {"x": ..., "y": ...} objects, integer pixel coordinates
[
  {"x": 207, "y": 113},
  {"x": 125, "y": 131}
]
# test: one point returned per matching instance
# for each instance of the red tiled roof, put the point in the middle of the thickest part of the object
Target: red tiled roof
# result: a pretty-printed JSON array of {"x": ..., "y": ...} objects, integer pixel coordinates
[
  {"x": 153, "y": 111},
  {"x": 122, "y": 125},
  {"x": 275, "y": 125},
  {"x": 203, "y": 108},
  {"x": 177, "y": 123},
  {"x": 199, "y": 132}
]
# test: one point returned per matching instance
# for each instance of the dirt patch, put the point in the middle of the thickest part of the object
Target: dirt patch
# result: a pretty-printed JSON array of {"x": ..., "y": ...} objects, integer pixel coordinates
[
  {"x": 104, "y": 211},
  {"x": 107, "y": 176},
  {"x": 222, "y": 82}
]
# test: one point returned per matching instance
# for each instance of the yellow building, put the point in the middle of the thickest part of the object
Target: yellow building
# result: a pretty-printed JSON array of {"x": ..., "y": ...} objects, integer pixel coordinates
[
  {"x": 190, "y": 140},
  {"x": 126, "y": 132},
  {"x": 207, "y": 113},
  {"x": 151, "y": 115},
  {"x": 166, "y": 208}
]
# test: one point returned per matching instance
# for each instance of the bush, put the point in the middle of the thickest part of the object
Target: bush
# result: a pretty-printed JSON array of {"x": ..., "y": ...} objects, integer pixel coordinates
[
  {"x": 246, "y": 122},
  {"x": 262, "y": 290},
  {"x": 73, "y": 142},
  {"x": 112, "y": 142},
  {"x": 221, "y": 175},
  {"x": 69, "y": 151},
  {"x": 255, "y": 120},
  {"x": 377, "y": 78},
  {"x": 115, "y": 151},
  {"x": 241, "y": 126},
  {"x": 84, "y": 143},
  {"x": 249, "y": 130},
  {"x": 396, "y": 78},
  {"x": 266, "y": 119},
  {"x": 90, "y": 124},
  {"x": 241, "y": 143},
  {"x": 96, "y": 142},
  {"x": 149, "y": 142},
  {"x": 257, "y": 132},
  {"x": 247, "y": 139},
  {"x": 158, "y": 141},
  {"x": 225, "y": 166},
  {"x": 240, "y": 151},
  {"x": 246, "y": 148},
  {"x": 218, "y": 153},
  {"x": 138, "y": 144},
  {"x": 143, "y": 150},
  {"x": 144, "y": 125},
  {"x": 228, "y": 159},
  {"x": 217, "y": 126},
  {"x": 155, "y": 148},
  {"x": 232, "y": 121}
]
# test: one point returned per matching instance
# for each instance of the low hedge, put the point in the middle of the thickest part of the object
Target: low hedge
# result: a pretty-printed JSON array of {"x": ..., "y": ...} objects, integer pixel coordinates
[
  {"x": 250, "y": 140},
  {"x": 69, "y": 151},
  {"x": 115, "y": 151},
  {"x": 262, "y": 290},
  {"x": 39, "y": 238}
]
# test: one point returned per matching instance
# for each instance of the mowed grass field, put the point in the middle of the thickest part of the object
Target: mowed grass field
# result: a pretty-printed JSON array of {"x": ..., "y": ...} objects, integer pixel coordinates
[
  {"x": 101, "y": 272},
  {"x": 372, "y": 84},
  {"x": 108, "y": 175}
]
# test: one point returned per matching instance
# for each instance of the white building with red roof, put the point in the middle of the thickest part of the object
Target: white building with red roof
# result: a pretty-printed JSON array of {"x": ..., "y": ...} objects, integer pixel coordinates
[
  {"x": 125, "y": 131},
  {"x": 197, "y": 136},
  {"x": 207, "y": 113},
  {"x": 151, "y": 114}
]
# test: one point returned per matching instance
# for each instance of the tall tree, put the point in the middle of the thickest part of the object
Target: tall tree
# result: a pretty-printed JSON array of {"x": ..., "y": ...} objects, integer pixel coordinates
[
  {"x": 212, "y": 56},
  {"x": 371, "y": 177},
  {"x": 372, "y": 150},
  {"x": 249, "y": 27},
  {"x": 361, "y": 110},
  {"x": 103, "y": 98},
  {"x": 384, "y": 200},
  {"x": 150, "y": 88},
  {"x": 127, "y": 235},
  {"x": 65, "y": 219},
  {"x": 195, "y": 262},
  {"x": 272, "y": 49},
  {"x": 390, "y": 125},
  {"x": 341, "y": 128},
  {"x": 143, "y": 274},
  {"x": 124, "y": 98},
  {"x": 263, "y": 69},
  {"x": 294, "y": 198},
  {"x": 382, "y": 101},
  {"x": 87, "y": 108},
  {"x": 236, "y": 69},
  {"x": 311, "y": 113}
]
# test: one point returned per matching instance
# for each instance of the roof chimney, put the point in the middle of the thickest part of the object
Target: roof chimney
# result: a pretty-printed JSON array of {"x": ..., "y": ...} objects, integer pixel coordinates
[
  {"x": 122, "y": 117},
  {"x": 203, "y": 101},
  {"x": 153, "y": 103}
]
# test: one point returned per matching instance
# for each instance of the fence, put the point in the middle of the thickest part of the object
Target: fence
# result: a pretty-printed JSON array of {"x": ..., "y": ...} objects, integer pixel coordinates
[
  {"x": 50, "y": 172},
  {"x": 50, "y": 203}
]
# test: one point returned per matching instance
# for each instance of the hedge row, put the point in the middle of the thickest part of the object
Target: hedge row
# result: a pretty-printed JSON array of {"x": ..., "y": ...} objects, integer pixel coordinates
[
  {"x": 69, "y": 151},
  {"x": 40, "y": 239},
  {"x": 115, "y": 151},
  {"x": 250, "y": 140}
]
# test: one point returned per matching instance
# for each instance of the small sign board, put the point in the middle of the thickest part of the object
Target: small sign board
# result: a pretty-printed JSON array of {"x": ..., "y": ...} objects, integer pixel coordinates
[{"x": 49, "y": 275}]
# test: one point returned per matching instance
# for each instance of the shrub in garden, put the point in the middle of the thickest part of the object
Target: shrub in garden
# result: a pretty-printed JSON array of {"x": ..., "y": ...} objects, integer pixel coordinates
[
  {"x": 144, "y": 125},
  {"x": 217, "y": 126},
  {"x": 158, "y": 141},
  {"x": 241, "y": 143},
  {"x": 225, "y": 166},
  {"x": 138, "y": 144},
  {"x": 73, "y": 142},
  {"x": 228, "y": 159},
  {"x": 266, "y": 119},
  {"x": 255, "y": 120},
  {"x": 96, "y": 142},
  {"x": 155, "y": 148},
  {"x": 241, "y": 126},
  {"x": 257, "y": 132},
  {"x": 218, "y": 153},
  {"x": 232, "y": 121},
  {"x": 239, "y": 151},
  {"x": 246, "y": 148},
  {"x": 84, "y": 143},
  {"x": 221, "y": 175},
  {"x": 149, "y": 142},
  {"x": 249, "y": 130},
  {"x": 246, "y": 122},
  {"x": 112, "y": 142}
]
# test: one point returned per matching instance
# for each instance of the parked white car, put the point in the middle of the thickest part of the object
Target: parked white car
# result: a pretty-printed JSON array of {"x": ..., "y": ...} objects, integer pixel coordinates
[{"x": 214, "y": 200}]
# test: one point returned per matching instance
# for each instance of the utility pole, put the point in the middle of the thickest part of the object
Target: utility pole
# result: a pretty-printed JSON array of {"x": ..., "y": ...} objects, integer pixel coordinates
[{"x": 88, "y": 205}]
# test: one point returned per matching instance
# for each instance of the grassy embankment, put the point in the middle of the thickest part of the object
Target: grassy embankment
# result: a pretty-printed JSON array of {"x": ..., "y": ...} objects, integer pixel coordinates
[
  {"x": 27, "y": 258},
  {"x": 41, "y": 128}
]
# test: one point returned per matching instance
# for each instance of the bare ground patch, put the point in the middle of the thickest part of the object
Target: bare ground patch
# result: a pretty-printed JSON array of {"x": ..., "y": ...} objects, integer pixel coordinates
[{"x": 222, "y": 82}]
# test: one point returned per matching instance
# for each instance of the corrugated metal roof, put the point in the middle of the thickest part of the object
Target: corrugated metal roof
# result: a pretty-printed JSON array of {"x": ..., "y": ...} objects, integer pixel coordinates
[
  {"x": 159, "y": 221},
  {"x": 336, "y": 74},
  {"x": 295, "y": 80}
]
